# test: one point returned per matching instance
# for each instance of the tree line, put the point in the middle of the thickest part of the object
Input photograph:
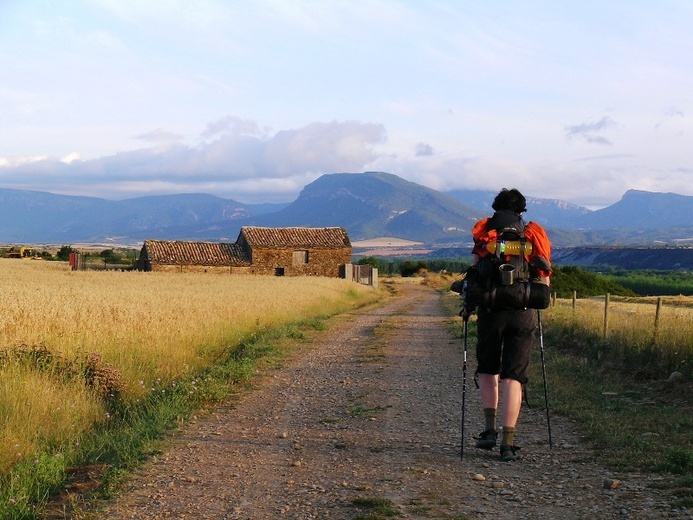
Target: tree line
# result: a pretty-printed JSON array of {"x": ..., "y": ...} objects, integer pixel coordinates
[
  {"x": 107, "y": 256},
  {"x": 586, "y": 283}
]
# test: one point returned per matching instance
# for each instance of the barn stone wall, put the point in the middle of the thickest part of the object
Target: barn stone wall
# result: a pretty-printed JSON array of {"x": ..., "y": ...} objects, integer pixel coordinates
[
  {"x": 321, "y": 262},
  {"x": 214, "y": 269},
  {"x": 265, "y": 251}
]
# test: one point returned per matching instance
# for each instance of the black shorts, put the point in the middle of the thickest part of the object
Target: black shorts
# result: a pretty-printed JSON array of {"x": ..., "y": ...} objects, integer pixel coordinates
[{"x": 505, "y": 340}]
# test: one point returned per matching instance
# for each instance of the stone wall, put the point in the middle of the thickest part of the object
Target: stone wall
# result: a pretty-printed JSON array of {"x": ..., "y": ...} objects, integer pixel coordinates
[
  {"x": 283, "y": 262},
  {"x": 214, "y": 269}
]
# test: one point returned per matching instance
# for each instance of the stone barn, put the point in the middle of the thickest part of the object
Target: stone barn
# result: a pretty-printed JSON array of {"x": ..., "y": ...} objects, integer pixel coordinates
[
  {"x": 182, "y": 257},
  {"x": 296, "y": 251},
  {"x": 291, "y": 251}
]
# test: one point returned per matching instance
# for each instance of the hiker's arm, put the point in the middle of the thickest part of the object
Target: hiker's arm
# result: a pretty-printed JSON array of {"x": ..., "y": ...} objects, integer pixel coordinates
[{"x": 541, "y": 250}]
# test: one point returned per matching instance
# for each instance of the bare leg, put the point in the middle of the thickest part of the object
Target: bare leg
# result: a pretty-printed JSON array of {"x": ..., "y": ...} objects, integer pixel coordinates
[
  {"x": 488, "y": 386},
  {"x": 512, "y": 402}
]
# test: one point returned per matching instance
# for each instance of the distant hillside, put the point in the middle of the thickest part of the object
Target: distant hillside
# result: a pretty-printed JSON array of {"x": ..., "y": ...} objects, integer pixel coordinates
[
  {"x": 642, "y": 210},
  {"x": 376, "y": 204},
  {"x": 39, "y": 217},
  {"x": 626, "y": 257},
  {"x": 369, "y": 205},
  {"x": 547, "y": 212}
]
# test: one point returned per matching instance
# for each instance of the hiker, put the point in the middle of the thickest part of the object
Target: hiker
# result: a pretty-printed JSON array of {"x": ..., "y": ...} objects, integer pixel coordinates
[{"x": 506, "y": 320}]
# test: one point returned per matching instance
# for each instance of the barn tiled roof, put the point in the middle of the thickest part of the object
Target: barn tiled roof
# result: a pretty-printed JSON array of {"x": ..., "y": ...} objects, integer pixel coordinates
[
  {"x": 166, "y": 252},
  {"x": 296, "y": 237}
]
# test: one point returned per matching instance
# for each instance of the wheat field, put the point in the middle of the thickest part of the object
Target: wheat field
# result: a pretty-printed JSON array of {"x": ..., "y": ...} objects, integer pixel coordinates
[
  {"x": 633, "y": 334},
  {"x": 139, "y": 329}
]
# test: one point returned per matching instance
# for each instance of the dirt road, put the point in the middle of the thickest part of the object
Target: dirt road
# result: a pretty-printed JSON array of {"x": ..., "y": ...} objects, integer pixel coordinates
[{"x": 368, "y": 414}]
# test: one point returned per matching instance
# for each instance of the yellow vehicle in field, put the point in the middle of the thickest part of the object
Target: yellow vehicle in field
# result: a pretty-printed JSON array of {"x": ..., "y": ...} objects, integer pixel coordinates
[{"x": 25, "y": 253}]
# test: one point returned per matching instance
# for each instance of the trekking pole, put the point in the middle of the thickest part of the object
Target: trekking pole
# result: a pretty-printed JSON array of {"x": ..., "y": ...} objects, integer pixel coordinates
[
  {"x": 464, "y": 387},
  {"x": 543, "y": 370}
]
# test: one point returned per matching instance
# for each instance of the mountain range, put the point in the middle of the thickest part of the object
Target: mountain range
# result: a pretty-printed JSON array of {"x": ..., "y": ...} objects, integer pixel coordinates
[{"x": 369, "y": 205}]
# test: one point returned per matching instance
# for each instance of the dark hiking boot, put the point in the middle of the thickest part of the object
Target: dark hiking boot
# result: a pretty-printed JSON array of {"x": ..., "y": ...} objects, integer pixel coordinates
[
  {"x": 509, "y": 453},
  {"x": 487, "y": 440}
]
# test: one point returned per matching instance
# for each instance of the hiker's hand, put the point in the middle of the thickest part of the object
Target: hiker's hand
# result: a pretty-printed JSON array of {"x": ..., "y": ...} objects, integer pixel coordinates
[{"x": 466, "y": 312}]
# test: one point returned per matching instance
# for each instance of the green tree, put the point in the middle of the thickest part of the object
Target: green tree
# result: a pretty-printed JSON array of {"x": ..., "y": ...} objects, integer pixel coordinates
[
  {"x": 63, "y": 253},
  {"x": 410, "y": 267},
  {"x": 370, "y": 260},
  {"x": 109, "y": 256},
  {"x": 567, "y": 279}
]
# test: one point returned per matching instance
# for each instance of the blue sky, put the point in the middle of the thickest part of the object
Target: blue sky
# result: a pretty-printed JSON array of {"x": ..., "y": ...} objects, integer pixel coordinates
[{"x": 252, "y": 100}]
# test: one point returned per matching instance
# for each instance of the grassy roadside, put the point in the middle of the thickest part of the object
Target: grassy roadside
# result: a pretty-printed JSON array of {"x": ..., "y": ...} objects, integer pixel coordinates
[
  {"x": 633, "y": 424},
  {"x": 87, "y": 357},
  {"x": 66, "y": 480}
]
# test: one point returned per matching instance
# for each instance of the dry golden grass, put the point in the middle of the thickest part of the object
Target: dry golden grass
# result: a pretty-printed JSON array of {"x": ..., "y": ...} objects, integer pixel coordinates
[
  {"x": 148, "y": 327},
  {"x": 631, "y": 325},
  {"x": 676, "y": 301},
  {"x": 631, "y": 316},
  {"x": 438, "y": 280},
  {"x": 36, "y": 409}
]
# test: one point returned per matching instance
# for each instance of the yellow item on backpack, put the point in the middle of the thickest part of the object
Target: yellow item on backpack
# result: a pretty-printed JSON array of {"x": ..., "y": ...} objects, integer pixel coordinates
[{"x": 509, "y": 247}]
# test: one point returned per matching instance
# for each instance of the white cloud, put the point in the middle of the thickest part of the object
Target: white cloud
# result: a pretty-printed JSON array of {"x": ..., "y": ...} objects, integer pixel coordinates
[
  {"x": 238, "y": 157},
  {"x": 324, "y": 147},
  {"x": 10, "y": 162},
  {"x": 70, "y": 158}
]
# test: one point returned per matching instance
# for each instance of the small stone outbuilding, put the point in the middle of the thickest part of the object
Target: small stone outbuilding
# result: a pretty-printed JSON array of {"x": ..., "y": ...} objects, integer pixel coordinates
[
  {"x": 183, "y": 257},
  {"x": 258, "y": 250}
]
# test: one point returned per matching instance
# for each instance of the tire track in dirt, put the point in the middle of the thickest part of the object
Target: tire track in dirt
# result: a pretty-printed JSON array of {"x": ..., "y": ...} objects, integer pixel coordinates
[{"x": 371, "y": 410}]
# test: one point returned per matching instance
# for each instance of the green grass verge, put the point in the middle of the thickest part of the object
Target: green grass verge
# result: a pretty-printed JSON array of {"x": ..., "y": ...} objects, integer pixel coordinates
[
  {"x": 134, "y": 433},
  {"x": 634, "y": 424},
  {"x": 375, "y": 508}
]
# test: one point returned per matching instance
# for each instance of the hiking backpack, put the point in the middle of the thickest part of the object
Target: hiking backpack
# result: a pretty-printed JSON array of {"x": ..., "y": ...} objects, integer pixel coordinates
[{"x": 502, "y": 279}]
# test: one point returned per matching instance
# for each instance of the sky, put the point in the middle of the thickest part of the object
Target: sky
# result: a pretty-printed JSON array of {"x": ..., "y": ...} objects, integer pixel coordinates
[{"x": 252, "y": 100}]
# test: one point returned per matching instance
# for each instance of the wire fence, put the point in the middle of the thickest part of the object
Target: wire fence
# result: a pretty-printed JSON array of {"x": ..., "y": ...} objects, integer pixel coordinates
[
  {"x": 81, "y": 262},
  {"x": 650, "y": 334}
]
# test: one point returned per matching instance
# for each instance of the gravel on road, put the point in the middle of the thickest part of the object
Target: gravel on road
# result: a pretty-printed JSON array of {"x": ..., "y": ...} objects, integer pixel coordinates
[{"x": 364, "y": 419}]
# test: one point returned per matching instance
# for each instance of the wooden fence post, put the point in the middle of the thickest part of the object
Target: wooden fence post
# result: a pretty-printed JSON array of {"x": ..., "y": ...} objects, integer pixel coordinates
[
  {"x": 574, "y": 298},
  {"x": 606, "y": 314},
  {"x": 656, "y": 322}
]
